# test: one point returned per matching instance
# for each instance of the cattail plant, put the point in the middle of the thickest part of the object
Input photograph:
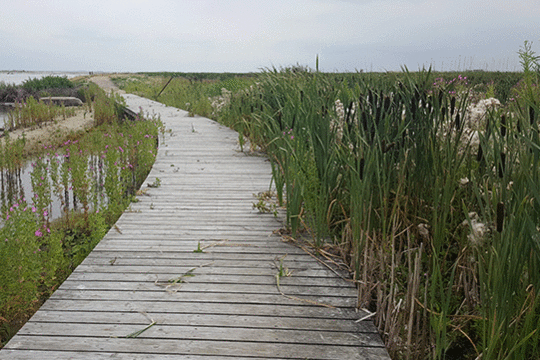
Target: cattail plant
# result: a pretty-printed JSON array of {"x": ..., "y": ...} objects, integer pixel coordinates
[{"x": 384, "y": 168}]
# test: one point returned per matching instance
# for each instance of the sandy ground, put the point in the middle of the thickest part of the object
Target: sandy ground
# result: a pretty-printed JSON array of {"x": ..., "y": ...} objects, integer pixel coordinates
[
  {"x": 105, "y": 82},
  {"x": 53, "y": 132},
  {"x": 56, "y": 132}
]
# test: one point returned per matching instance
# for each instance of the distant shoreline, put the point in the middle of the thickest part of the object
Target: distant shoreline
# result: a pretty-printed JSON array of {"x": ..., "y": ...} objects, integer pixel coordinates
[{"x": 19, "y": 76}]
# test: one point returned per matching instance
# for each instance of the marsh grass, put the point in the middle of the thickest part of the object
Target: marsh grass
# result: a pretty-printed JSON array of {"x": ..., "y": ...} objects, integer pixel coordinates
[
  {"x": 33, "y": 113},
  {"x": 46, "y": 86},
  {"x": 28, "y": 110},
  {"x": 439, "y": 229},
  {"x": 381, "y": 181},
  {"x": 101, "y": 170},
  {"x": 194, "y": 93}
]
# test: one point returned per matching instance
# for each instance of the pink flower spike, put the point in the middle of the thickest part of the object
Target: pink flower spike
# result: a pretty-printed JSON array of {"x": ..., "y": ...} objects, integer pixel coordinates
[
  {"x": 34, "y": 209},
  {"x": 38, "y": 233}
]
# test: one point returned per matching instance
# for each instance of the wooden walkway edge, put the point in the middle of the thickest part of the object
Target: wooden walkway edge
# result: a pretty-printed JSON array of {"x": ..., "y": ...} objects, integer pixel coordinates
[{"x": 144, "y": 293}]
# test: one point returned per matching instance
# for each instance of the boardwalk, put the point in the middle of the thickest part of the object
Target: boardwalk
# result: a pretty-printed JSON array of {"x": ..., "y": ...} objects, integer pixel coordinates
[{"x": 223, "y": 302}]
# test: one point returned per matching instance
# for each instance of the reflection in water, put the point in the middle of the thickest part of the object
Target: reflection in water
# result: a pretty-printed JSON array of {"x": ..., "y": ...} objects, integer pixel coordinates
[
  {"x": 16, "y": 185},
  {"x": 12, "y": 188},
  {"x": 3, "y": 115}
]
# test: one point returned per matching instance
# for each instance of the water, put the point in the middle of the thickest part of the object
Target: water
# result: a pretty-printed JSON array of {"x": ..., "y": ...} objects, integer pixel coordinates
[
  {"x": 17, "y": 185},
  {"x": 18, "y": 77},
  {"x": 3, "y": 115}
]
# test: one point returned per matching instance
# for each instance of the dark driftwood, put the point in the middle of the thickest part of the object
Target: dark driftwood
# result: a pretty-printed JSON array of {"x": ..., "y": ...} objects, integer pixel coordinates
[{"x": 62, "y": 100}]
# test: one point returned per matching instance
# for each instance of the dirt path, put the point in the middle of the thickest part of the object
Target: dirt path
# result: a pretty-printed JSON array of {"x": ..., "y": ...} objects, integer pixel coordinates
[{"x": 105, "y": 82}]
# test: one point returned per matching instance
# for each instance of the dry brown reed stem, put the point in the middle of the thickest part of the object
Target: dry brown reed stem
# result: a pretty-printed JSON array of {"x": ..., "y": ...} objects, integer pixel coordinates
[
  {"x": 326, "y": 255},
  {"x": 279, "y": 275},
  {"x": 468, "y": 338},
  {"x": 415, "y": 280},
  {"x": 471, "y": 317},
  {"x": 380, "y": 277},
  {"x": 300, "y": 299}
]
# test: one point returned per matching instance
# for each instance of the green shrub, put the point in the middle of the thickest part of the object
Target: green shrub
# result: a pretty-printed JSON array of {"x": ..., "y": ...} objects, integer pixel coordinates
[
  {"x": 30, "y": 258},
  {"x": 47, "y": 82}
]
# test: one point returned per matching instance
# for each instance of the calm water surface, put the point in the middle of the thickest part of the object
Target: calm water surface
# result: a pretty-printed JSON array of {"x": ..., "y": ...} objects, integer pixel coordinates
[
  {"x": 20, "y": 183},
  {"x": 18, "y": 77}
]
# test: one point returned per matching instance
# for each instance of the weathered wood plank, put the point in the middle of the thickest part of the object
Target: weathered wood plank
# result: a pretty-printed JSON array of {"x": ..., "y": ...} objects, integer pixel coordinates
[
  {"x": 247, "y": 247},
  {"x": 292, "y": 310},
  {"x": 189, "y": 257},
  {"x": 214, "y": 332},
  {"x": 94, "y": 355},
  {"x": 226, "y": 258},
  {"x": 309, "y": 277},
  {"x": 252, "y": 249},
  {"x": 200, "y": 347},
  {"x": 230, "y": 267},
  {"x": 208, "y": 297},
  {"x": 211, "y": 217},
  {"x": 204, "y": 319},
  {"x": 198, "y": 285}
]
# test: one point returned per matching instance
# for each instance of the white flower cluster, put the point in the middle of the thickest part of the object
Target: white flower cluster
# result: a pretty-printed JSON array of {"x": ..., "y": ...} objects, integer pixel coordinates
[
  {"x": 478, "y": 230},
  {"x": 472, "y": 122},
  {"x": 337, "y": 123},
  {"x": 219, "y": 102},
  {"x": 475, "y": 119}
]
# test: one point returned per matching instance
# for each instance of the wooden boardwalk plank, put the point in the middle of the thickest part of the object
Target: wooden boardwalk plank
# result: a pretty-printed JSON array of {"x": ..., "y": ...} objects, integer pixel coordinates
[
  {"x": 207, "y": 320},
  {"x": 212, "y": 349},
  {"x": 191, "y": 332},
  {"x": 293, "y": 310},
  {"x": 226, "y": 303}
]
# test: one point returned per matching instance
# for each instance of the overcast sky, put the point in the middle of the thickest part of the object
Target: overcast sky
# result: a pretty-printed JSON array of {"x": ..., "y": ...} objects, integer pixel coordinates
[{"x": 247, "y": 35}]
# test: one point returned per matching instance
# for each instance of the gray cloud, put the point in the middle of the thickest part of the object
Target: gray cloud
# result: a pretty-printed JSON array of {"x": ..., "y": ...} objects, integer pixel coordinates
[{"x": 245, "y": 35}]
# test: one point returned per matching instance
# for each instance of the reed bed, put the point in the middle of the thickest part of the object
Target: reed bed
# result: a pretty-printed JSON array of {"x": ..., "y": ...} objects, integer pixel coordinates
[
  {"x": 426, "y": 187},
  {"x": 440, "y": 234},
  {"x": 35, "y": 113}
]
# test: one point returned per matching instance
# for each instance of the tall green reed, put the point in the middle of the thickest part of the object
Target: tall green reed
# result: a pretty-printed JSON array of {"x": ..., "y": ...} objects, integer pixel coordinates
[
  {"x": 391, "y": 180},
  {"x": 389, "y": 171},
  {"x": 508, "y": 263}
]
